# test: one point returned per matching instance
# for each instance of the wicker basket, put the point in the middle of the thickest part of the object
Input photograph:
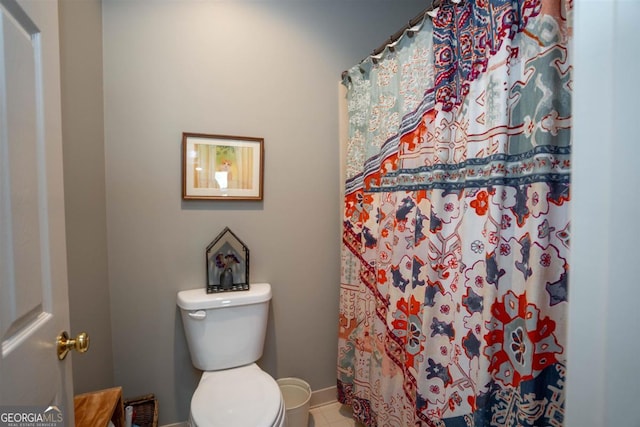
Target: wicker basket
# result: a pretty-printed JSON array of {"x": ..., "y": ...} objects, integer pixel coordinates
[{"x": 145, "y": 409}]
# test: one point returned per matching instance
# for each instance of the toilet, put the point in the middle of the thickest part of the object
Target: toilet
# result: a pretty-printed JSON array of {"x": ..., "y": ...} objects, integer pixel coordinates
[{"x": 225, "y": 334}]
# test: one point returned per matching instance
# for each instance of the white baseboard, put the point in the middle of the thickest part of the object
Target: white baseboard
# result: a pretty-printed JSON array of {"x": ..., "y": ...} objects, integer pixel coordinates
[{"x": 323, "y": 396}]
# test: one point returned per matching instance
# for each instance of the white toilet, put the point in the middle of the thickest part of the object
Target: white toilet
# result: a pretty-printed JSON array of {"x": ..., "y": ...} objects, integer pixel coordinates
[{"x": 225, "y": 333}]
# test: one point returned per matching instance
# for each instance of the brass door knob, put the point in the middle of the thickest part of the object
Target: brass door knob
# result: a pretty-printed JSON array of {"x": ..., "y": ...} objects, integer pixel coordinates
[{"x": 65, "y": 344}]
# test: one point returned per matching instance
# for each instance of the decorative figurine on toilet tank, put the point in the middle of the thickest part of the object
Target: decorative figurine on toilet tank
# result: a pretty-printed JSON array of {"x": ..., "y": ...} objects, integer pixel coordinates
[{"x": 227, "y": 261}]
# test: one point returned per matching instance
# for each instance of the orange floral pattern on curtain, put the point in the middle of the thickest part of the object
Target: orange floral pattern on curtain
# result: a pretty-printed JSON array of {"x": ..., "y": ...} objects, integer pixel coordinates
[{"x": 453, "y": 294}]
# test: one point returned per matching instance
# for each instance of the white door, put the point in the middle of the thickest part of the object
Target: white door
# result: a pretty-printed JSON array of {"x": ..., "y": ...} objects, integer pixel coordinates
[{"x": 33, "y": 270}]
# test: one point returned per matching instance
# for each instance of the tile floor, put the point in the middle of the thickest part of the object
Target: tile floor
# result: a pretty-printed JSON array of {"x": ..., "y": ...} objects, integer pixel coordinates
[{"x": 332, "y": 415}]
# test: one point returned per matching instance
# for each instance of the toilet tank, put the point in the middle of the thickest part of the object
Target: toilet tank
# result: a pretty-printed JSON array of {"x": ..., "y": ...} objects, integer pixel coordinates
[{"x": 227, "y": 329}]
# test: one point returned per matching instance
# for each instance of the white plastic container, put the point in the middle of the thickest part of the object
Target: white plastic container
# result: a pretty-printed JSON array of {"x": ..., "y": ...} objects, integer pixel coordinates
[{"x": 296, "y": 394}]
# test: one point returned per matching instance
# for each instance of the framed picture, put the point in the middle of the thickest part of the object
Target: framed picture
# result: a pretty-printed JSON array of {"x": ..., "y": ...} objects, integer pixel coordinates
[
  {"x": 221, "y": 167},
  {"x": 227, "y": 260}
]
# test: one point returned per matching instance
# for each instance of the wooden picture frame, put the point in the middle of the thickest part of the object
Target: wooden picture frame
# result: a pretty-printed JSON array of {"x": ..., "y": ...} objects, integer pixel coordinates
[{"x": 222, "y": 167}]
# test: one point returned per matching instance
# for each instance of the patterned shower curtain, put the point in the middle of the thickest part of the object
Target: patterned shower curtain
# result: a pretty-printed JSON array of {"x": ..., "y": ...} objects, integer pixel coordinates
[{"x": 453, "y": 296}]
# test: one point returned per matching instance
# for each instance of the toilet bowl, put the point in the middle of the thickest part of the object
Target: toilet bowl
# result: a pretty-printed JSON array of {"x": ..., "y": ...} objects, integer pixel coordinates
[
  {"x": 225, "y": 333},
  {"x": 239, "y": 397}
]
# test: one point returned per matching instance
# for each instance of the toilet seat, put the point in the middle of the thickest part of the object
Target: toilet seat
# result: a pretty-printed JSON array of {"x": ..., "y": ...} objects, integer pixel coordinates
[{"x": 238, "y": 397}]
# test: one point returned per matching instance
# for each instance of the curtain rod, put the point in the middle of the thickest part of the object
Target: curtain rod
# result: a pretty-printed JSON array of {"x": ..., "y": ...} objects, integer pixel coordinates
[{"x": 398, "y": 34}]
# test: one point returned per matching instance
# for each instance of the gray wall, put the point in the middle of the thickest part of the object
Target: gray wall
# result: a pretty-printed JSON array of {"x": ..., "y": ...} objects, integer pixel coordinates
[
  {"x": 266, "y": 69},
  {"x": 604, "y": 339},
  {"x": 83, "y": 151}
]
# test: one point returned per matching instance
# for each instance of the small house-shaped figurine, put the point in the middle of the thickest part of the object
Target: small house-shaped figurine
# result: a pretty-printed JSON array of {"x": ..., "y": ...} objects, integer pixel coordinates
[{"x": 227, "y": 264}]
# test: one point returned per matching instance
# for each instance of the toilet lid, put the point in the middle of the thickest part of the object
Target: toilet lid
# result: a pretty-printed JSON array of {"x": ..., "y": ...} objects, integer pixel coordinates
[{"x": 239, "y": 397}]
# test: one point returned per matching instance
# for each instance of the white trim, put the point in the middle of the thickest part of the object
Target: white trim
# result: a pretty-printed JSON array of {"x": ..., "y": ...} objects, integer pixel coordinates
[{"x": 323, "y": 396}]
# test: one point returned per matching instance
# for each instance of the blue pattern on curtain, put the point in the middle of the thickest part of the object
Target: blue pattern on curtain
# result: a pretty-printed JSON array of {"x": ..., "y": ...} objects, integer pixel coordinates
[{"x": 453, "y": 295}]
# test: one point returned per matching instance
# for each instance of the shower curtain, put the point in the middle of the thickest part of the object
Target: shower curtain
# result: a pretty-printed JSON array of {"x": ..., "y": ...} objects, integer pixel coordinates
[{"x": 453, "y": 295}]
